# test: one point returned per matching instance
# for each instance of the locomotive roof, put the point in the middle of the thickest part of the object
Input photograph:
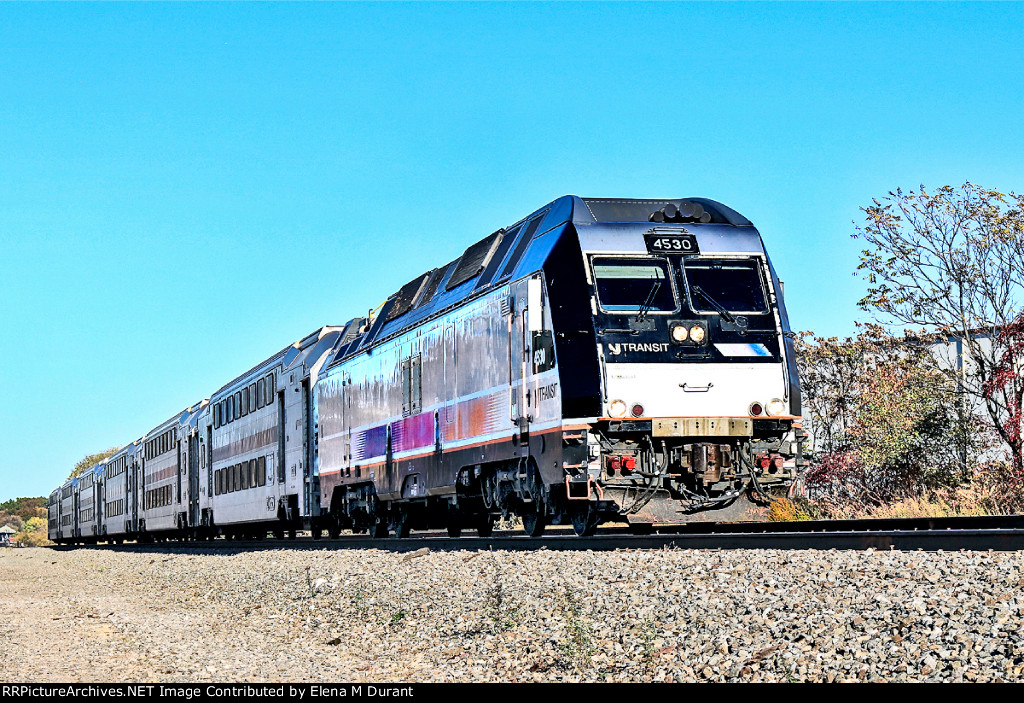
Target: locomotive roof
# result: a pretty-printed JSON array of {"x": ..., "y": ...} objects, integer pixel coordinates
[{"x": 509, "y": 253}]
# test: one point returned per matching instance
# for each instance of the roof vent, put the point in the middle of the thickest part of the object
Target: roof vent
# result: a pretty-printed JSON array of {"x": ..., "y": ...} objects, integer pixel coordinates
[{"x": 685, "y": 212}]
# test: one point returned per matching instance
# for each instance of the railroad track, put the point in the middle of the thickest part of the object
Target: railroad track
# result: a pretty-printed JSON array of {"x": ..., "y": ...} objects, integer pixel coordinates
[{"x": 999, "y": 533}]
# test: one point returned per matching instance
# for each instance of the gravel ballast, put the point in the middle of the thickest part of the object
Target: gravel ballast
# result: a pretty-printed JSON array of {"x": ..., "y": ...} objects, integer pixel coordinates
[{"x": 88, "y": 615}]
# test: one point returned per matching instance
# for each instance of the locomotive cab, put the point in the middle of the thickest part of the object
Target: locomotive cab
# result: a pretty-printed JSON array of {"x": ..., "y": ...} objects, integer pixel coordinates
[{"x": 699, "y": 404}]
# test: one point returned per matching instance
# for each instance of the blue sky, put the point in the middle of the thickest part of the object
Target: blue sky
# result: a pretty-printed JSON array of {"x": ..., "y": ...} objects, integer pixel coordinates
[{"x": 185, "y": 189}]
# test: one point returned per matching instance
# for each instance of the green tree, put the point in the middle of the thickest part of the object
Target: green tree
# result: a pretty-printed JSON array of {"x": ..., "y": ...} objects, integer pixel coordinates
[
  {"x": 953, "y": 261},
  {"x": 90, "y": 460},
  {"x": 12, "y": 521},
  {"x": 24, "y": 508}
]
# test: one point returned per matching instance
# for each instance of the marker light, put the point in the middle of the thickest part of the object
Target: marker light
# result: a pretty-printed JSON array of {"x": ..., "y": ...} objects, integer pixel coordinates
[
  {"x": 776, "y": 407},
  {"x": 756, "y": 409},
  {"x": 697, "y": 334},
  {"x": 637, "y": 410},
  {"x": 617, "y": 408}
]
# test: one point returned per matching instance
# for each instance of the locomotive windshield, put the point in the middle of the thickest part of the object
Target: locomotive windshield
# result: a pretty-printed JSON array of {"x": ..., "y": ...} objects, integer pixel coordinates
[
  {"x": 629, "y": 285},
  {"x": 722, "y": 284}
]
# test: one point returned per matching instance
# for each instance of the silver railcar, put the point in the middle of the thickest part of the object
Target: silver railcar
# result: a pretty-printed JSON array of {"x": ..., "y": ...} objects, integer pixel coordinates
[
  {"x": 120, "y": 509},
  {"x": 259, "y": 470},
  {"x": 88, "y": 500}
]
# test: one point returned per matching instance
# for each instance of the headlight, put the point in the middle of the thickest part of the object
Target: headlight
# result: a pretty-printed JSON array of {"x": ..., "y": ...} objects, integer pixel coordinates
[
  {"x": 679, "y": 333},
  {"x": 776, "y": 407},
  {"x": 697, "y": 334},
  {"x": 617, "y": 408}
]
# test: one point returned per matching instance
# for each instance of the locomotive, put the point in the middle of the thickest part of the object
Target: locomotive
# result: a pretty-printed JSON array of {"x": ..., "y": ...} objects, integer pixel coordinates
[{"x": 601, "y": 360}]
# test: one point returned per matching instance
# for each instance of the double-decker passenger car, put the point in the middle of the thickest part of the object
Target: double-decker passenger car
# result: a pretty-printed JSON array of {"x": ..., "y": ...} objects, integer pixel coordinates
[
  {"x": 260, "y": 469},
  {"x": 120, "y": 508},
  {"x": 600, "y": 360}
]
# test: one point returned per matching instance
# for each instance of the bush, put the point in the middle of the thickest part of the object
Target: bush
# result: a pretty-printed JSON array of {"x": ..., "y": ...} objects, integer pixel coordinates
[
  {"x": 884, "y": 419},
  {"x": 788, "y": 510},
  {"x": 32, "y": 539}
]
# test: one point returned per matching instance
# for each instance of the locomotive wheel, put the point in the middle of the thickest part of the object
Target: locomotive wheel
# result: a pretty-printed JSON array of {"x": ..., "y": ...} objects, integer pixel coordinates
[
  {"x": 278, "y": 533},
  {"x": 379, "y": 530},
  {"x": 402, "y": 525},
  {"x": 534, "y": 522},
  {"x": 485, "y": 528},
  {"x": 584, "y": 521},
  {"x": 454, "y": 529}
]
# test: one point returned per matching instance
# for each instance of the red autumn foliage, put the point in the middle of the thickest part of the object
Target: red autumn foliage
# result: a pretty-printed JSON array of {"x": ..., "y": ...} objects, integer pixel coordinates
[{"x": 1006, "y": 381}]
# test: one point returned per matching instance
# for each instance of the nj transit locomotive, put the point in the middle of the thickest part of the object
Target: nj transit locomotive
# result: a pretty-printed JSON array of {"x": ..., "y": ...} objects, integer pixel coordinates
[{"x": 600, "y": 360}]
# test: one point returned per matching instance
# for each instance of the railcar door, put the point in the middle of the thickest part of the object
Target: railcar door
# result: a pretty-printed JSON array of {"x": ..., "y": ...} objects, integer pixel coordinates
[
  {"x": 133, "y": 494},
  {"x": 450, "y": 379},
  {"x": 280, "y": 436},
  {"x": 177, "y": 483},
  {"x": 518, "y": 355},
  {"x": 391, "y": 482},
  {"x": 99, "y": 495},
  {"x": 310, "y": 482},
  {"x": 193, "y": 479}
]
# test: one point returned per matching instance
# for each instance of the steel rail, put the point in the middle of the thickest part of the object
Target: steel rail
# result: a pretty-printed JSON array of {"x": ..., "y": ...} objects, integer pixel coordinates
[{"x": 975, "y": 534}]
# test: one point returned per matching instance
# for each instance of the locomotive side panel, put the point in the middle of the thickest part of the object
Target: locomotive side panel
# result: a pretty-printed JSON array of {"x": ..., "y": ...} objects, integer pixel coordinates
[{"x": 476, "y": 387}]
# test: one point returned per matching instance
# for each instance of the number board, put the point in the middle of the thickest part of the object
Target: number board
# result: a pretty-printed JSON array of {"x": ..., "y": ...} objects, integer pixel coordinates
[{"x": 672, "y": 243}]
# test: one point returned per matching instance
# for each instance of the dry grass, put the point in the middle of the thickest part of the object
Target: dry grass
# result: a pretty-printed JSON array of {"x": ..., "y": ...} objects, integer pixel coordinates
[{"x": 993, "y": 491}]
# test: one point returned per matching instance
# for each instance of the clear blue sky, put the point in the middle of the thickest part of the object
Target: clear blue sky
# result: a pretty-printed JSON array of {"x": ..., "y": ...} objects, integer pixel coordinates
[{"x": 185, "y": 189}]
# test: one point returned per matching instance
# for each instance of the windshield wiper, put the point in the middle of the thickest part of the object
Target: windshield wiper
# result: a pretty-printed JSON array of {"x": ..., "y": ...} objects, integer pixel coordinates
[
  {"x": 714, "y": 304},
  {"x": 648, "y": 302}
]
